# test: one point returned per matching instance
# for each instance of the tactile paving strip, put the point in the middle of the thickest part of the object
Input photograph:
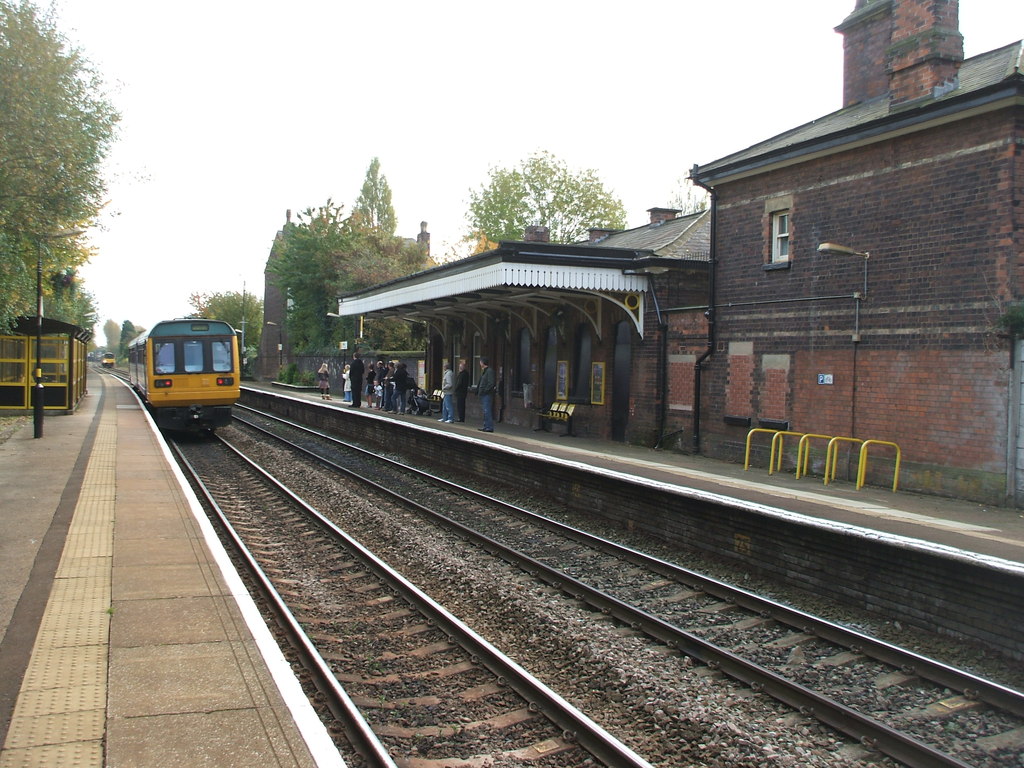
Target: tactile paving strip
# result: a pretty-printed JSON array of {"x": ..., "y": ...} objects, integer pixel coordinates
[{"x": 60, "y": 716}]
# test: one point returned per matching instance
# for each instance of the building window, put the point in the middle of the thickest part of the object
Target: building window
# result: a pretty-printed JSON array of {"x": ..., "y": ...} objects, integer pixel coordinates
[
  {"x": 474, "y": 370},
  {"x": 780, "y": 236}
]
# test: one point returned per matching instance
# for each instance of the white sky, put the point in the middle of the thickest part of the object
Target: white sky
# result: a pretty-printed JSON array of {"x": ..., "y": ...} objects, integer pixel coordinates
[{"x": 236, "y": 110}]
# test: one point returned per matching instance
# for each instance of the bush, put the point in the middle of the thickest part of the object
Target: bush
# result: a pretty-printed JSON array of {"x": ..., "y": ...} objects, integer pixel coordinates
[{"x": 288, "y": 373}]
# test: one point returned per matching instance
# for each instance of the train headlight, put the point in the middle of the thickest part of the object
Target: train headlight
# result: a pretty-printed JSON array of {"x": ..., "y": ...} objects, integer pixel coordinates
[
  {"x": 225, "y": 381},
  {"x": 162, "y": 383}
]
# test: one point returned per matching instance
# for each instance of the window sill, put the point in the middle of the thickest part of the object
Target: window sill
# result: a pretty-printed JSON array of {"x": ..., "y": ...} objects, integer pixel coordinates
[{"x": 775, "y": 265}]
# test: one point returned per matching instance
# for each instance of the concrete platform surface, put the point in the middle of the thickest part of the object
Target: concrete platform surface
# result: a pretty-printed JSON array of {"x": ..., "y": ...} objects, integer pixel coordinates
[{"x": 127, "y": 639}]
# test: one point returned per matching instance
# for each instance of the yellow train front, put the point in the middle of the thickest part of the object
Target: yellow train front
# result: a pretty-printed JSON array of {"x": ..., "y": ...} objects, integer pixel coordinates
[{"x": 188, "y": 373}]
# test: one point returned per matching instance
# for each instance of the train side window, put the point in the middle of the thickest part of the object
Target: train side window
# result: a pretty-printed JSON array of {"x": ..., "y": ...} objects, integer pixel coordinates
[
  {"x": 163, "y": 356},
  {"x": 193, "y": 356},
  {"x": 221, "y": 349}
]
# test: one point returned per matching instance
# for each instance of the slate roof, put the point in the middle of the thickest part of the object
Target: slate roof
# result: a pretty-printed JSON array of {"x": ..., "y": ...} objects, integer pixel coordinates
[
  {"x": 977, "y": 75},
  {"x": 685, "y": 237}
]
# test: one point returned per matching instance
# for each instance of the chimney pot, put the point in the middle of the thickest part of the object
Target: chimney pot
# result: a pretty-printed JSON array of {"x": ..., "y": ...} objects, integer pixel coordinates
[
  {"x": 659, "y": 215},
  {"x": 535, "y": 233}
]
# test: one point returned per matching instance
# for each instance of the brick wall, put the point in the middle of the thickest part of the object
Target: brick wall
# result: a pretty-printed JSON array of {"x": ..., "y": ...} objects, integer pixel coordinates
[{"x": 936, "y": 212}]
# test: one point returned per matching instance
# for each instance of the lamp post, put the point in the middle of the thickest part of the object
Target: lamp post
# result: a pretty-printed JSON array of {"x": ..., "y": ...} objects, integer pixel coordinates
[
  {"x": 37, "y": 391},
  {"x": 834, "y": 249}
]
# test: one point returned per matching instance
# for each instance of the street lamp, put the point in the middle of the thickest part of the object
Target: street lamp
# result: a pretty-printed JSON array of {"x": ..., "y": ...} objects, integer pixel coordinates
[
  {"x": 37, "y": 391},
  {"x": 834, "y": 249}
]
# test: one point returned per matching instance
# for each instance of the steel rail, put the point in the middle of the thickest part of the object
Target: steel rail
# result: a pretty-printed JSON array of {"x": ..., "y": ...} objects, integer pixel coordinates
[
  {"x": 575, "y": 725},
  {"x": 970, "y": 685},
  {"x": 361, "y": 736},
  {"x": 865, "y": 729}
]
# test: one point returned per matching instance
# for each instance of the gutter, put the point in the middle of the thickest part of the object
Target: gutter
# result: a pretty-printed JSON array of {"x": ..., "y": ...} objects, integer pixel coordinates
[{"x": 709, "y": 313}]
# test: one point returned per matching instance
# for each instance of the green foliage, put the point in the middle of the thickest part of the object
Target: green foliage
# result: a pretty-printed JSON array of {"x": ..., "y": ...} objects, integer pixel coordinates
[
  {"x": 1012, "y": 321},
  {"x": 373, "y": 209},
  {"x": 112, "y": 334},
  {"x": 232, "y": 307},
  {"x": 309, "y": 271},
  {"x": 288, "y": 373},
  {"x": 541, "y": 191},
  {"x": 326, "y": 255},
  {"x": 56, "y": 128},
  {"x": 129, "y": 332}
]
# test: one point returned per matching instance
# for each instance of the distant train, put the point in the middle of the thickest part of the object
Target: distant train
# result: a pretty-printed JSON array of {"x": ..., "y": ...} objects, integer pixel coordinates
[
  {"x": 188, "y": 372},
  {"x": 108, "y": 360}
]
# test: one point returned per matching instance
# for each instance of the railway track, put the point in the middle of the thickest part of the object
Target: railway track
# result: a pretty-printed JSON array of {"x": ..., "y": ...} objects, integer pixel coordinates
[
  {"x": 915, "y": 710},
  {"x": 409, "y": 684}
]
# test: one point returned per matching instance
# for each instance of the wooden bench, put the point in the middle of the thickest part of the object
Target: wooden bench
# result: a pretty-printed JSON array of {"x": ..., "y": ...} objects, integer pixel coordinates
[{"x": 559, "y": 412}]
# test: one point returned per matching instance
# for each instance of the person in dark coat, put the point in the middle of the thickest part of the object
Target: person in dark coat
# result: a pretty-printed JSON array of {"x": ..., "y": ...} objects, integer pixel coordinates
[
  {"x": 402, "y": 383},
  {"x": 355, "y": 376},
  {"x": 461, "y": 390},
  {"x": 485, "y": 388}
]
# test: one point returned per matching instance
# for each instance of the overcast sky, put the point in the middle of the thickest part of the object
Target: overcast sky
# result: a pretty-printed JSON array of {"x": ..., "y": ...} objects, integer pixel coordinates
[{"x": 235, "y": 111}]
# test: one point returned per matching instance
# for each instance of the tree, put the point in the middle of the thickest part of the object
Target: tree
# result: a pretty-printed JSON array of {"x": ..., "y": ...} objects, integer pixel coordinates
[
  {"x": 129, "y": 332},
  {"x": 326, "y": 255},
  {"x": 541, "y": 191},
  {"x": 689, "y": 198},
  {"x": 232, "y": 307},
  {"x": 373, "y": 209},
  {"x": 112, "y": 333},
  {"x": 309, "y": 273},
  {"x": 56, "y": 128},
  {"x": 69, "y": 301}
]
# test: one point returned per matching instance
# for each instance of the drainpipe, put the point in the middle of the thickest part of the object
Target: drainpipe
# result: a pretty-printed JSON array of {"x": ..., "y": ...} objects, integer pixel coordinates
[{"x": 709, "y": 313}]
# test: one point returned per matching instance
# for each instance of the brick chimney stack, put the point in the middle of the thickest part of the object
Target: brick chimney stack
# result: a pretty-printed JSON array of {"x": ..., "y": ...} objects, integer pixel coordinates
[
  {"x": 927, "y": 49},
  {"x": 597, "y": 234},
  {"x": 909, "y": 49},
  {"x": 535, "y": 233},
  {"x": 866, "y": 33},
  {"x": 659, "y": 215}
]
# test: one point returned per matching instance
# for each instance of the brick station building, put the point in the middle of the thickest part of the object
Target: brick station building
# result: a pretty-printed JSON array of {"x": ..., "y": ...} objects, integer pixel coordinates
[{"x": 861, "y": 263}]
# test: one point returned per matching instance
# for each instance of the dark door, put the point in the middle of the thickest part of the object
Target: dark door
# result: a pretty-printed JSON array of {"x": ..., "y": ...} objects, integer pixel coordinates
[{"x": 621, "y": 360}]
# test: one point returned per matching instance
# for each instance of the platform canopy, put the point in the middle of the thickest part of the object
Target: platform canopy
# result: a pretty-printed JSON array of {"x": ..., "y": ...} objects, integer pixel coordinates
[
  {"x": 530, "y": 280},
  {"x": 26, "y": 326}
]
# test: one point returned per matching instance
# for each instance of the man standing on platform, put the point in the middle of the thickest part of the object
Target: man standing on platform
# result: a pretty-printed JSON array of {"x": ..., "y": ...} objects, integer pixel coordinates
[
  {"x": 355, "y": 376},
  {"x": 485, "y": 389}
]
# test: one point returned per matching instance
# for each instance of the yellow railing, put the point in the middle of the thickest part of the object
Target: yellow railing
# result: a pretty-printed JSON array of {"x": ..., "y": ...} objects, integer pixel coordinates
[
  {"x": 775, "y": 449},
  {"x": 832, "y": 456},
  {"x": 862, "y": 469},
  {"x": 803, "y": 452},
  {"x": 775, "y": 453}
]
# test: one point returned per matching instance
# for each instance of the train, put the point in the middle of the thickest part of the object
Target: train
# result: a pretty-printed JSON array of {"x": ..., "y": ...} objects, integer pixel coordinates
[
  {"x": 108, "y": 360},
  {"x": 188, "y": 373}
]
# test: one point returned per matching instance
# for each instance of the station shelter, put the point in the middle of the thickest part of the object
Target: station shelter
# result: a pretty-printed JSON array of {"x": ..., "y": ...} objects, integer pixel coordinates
[
  {"x": 62, "y": 358},
  {"x": 576, "y": 324}
]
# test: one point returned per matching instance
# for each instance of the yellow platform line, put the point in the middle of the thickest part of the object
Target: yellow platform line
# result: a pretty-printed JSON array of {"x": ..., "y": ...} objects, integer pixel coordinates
[{"x": 60, "y": 716}]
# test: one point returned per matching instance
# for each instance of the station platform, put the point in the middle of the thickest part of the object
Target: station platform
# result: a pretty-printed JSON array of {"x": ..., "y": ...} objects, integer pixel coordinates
[
  {"x": 981, "y": 529},
  {"x": 127, "y": 639}
]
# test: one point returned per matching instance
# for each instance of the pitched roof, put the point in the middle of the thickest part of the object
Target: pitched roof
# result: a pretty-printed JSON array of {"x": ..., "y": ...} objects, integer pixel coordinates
[
  {"x": 685, "y": 237},
  {"x": 977, "y": 76}
]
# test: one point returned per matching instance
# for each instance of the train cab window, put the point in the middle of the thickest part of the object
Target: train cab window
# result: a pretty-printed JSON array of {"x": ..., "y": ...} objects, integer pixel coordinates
[
  {"x": 193, "y": 356},
  {"x": 163, "y": 356},
  {"x": 221, "y": 349}
]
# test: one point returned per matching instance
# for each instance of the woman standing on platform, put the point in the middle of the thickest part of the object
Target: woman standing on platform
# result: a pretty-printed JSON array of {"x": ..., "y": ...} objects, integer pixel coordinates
[
  {"x": 346, "y": 384},
  {"x": 324, "y": 380}
]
